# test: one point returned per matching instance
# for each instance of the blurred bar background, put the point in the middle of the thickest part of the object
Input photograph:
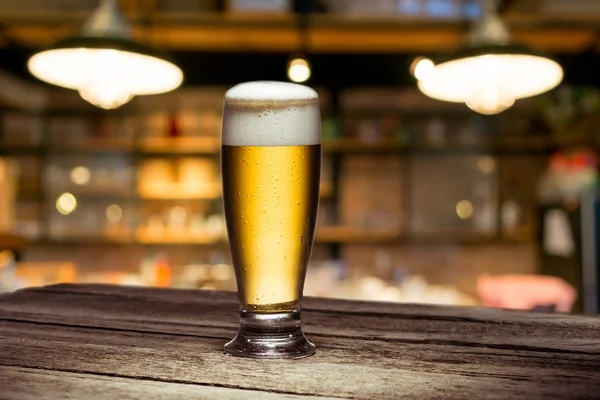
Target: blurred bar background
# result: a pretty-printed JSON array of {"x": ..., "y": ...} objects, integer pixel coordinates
[{"x": 421, "y": 200}]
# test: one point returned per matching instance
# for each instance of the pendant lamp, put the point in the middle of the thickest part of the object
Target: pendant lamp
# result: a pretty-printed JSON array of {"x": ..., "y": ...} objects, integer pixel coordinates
[
  {"x": 104, "y": 64},
  {"x": 489, "y": 73}
]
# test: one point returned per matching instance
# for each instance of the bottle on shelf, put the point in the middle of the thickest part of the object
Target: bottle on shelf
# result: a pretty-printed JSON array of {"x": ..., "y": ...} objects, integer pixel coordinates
[
  {"x": 511, "y": 209},
  {"x": 155, "y": 271}
]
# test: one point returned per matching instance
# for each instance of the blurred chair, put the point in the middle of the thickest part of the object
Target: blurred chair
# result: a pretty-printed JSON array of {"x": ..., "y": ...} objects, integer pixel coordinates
[{"x": 526, "y": 292}]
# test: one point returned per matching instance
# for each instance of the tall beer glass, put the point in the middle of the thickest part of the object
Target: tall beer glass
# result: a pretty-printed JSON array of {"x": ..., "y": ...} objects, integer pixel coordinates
[{"x": 271, "y": 164}]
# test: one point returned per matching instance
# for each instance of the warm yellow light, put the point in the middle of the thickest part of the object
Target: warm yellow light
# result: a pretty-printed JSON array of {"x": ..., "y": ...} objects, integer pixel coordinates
[
  {"x": 80, "y": 175},
  {"x": 114, "y": 213},
  {"x": 489, "y": 103},
  {"x": 486, "y": 164},
  {"x": 422, "y": 68},
  {"x": 491, "y": 83},
  {"x": 464, "y": 209},
  {"x": 107, "y": 78},
  {"x": 66, "y": 203},
  {"x": 299, "y": 70}
]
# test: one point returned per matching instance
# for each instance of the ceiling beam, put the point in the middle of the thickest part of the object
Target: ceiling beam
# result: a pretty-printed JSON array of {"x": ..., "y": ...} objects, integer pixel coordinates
[
  {"x": 320, "y": 39},
  {"x": 511, "y": 7},
  {"x": 326, "y": 33}
]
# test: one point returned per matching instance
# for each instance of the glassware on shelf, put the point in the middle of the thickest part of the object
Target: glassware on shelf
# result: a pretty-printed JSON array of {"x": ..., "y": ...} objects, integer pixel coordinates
[{"x": 186, "y": 178}]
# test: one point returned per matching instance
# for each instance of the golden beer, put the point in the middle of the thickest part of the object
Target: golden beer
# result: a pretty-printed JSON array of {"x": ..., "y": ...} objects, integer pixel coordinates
[
  {"x": 271, "y": 195},
  {"x": 271, "y": 165}
]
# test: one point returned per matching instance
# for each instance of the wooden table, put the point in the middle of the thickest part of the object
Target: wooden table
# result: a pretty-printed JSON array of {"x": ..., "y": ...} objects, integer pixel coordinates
[{"x": 110, "y": 342}]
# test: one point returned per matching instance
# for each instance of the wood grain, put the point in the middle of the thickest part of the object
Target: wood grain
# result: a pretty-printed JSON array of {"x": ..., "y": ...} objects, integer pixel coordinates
[
  {"x": 65, "y": 336},
  {"x": 44, "y": 384}
]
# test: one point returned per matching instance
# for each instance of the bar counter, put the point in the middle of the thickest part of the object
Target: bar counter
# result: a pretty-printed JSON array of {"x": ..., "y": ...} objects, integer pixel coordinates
[{"x": 114, "y": 342}]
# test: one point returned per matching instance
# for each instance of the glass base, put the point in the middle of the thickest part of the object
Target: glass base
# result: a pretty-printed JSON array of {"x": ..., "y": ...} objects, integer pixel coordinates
[{"x": 273, "y": 335}]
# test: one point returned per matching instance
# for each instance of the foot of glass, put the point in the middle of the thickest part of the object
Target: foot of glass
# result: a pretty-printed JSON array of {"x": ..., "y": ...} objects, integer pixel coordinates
[{"x": 274, "y": 335}]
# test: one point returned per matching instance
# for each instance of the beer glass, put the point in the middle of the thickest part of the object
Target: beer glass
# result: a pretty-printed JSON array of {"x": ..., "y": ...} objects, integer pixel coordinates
[{"x": 271, "y": 164}]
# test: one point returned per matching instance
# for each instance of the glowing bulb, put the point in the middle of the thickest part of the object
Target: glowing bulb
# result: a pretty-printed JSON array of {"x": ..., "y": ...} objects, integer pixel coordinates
[
  {"x": 66, "y": 203},
  {"x": 464, "y": 209},
  {"x": 105, "y": 95},
  {"x": 114, "y": 213},
  {"x": 105, "y": 86},
  {"x": 489, "y": 105},
  {"x": 422, "y": 68},
  {"x": 80, "y": 175},
  {"x": 299, "y": 70}
]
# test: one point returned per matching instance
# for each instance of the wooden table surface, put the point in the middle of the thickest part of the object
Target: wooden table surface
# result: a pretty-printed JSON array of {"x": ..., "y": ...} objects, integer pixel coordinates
[{"x": 111, "y": 342}]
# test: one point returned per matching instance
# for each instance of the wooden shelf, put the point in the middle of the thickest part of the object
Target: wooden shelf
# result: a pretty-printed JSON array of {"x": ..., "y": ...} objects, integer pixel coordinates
[
  {"x": 175, "y": 236},
  {"x": 11, "y": 242},
  {"x": 353, "y": 145},
  {"x": 176, "y": 193},
  {"x": 344, "y": 234},
  {"x": 92, "y": 193},
  {"x": 191, "y": 146},
  {"x": 327, "y": 33},
  {"x": 70, "y": 240},
  {"x": 94, "y": 145},
  {"x": 325, "y": 234},
  {"x": 180, "y": 145},
  {"x": 468, "y": 238},
  {"x": 386, "y": 146}
]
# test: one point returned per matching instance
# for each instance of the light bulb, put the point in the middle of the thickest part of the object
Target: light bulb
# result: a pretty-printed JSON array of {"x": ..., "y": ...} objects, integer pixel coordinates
[
  {"x": 66, "y": 203},
  {"x": 489, "y": 105},
  {"x": 105, "y": 85},
  {"x": 422, "y": 68},
  {"x": 299, "y": 70},
  {"x": 80, "y": 175},
  {"x": 464, "y": 209},
  {"x": 105, "y": 95}
]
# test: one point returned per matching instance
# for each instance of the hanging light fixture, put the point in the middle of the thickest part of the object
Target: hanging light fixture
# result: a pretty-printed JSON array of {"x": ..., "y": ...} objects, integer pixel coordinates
[
  {"x": 299, "y": 69},
  {"x": 104, "y": 64},
  {"x": 490, "y": 73}
]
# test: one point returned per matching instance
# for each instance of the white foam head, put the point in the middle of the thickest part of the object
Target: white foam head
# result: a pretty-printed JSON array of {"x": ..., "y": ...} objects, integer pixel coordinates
[{"x": 268, "y": 113}]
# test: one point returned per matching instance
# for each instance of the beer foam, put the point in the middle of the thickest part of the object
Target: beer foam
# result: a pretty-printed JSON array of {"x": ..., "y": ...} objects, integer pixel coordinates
[{"x": 271, "y": 114}]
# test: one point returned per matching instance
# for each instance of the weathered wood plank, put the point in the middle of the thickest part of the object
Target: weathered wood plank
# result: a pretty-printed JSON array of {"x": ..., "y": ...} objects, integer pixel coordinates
[
  {"x": 342, "y": 367},
  {"x": 407, "y": 325},
  {"x": 366, "y": 350},
  {"x": 25, "y": 383},
  {"x": 336, "y": 305}
]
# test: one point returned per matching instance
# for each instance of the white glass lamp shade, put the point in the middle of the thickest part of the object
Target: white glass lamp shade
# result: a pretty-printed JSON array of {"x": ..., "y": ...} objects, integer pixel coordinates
[
  {"x": 491, "y": 82},
  {"x": 107, "y": 73}
]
